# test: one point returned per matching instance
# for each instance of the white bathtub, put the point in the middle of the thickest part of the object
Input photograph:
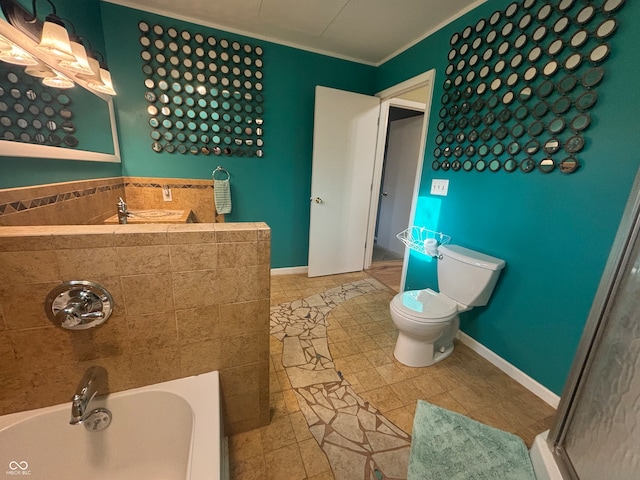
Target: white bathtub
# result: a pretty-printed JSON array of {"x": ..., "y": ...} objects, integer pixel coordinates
[{"x": 166, "y": 431}]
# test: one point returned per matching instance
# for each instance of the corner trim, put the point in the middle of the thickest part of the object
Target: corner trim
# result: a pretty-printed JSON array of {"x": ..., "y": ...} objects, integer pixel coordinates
[{"x": 518, "y": 375}]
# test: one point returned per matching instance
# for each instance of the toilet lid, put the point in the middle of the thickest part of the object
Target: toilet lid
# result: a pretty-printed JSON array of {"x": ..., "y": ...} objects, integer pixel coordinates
[{"x": 425, "y": 305}]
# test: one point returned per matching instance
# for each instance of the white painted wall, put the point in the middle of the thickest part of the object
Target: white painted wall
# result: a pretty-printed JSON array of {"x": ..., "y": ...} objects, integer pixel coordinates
[{"x": 399, "y": 178}]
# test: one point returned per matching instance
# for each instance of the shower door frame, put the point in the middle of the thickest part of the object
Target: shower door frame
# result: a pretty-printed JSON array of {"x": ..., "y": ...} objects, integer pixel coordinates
[{"x": 628, "y": 233}]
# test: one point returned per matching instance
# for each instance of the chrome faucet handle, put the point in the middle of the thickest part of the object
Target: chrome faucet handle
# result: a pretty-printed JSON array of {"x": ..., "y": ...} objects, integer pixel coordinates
[{"x": 78, "y": 305}]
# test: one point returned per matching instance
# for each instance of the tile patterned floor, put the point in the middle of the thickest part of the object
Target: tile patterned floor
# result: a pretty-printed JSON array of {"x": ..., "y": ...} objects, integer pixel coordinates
[{"x": 342, "y": 407}]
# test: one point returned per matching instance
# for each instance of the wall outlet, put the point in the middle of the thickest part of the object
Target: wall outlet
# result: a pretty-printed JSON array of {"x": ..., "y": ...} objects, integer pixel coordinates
[
  {"x": 166, "y": 194},
  {"x": 439, "y": 187}
]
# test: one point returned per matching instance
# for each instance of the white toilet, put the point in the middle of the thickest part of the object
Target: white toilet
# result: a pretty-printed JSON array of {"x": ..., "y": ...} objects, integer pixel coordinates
[{"x": 428, "y": 321}]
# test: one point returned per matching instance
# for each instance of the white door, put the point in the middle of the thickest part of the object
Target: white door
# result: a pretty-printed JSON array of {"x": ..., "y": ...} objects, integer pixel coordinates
[
  {"x": 344, "y": 146},
  {"x": 403, "y": 150}
]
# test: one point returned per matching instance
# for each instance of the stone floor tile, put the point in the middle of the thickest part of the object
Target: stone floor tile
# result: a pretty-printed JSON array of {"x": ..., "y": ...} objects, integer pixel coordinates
[
  {"x": 445, "y": 400},
  {"x": 369, "y": 379},
  {"x": 277, "y": 434},
  {"x": 243, "y": 446},
  {"x": 253, "y": 468},
  {"x": 326, "y": 475},
  {"x": 314, "y": 459},
  {"x": 383, "y": 398},
  {"x": 300, "y": 427},
  {"x": 391, "y": 373},
  {"x": 402, "y": 418},
  {"x": 285, "y": 463}
]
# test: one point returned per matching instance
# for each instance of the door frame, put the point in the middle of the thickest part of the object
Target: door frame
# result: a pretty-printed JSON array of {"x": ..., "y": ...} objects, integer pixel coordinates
[{"x": 387, "y": 98}]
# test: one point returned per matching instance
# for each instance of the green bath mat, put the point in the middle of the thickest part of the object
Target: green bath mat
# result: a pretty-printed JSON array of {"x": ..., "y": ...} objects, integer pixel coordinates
[{"x": 450, "y": 446}]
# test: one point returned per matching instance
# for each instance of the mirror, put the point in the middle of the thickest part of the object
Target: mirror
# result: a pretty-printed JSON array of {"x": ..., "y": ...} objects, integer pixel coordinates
[
  {"x": 95, "y": 136},
  {"x": 574, "y": 144},
  {"x": 546, "y": 165},
  {"x": 527, "y": 165},
  {"x": 569, "y": 165}
]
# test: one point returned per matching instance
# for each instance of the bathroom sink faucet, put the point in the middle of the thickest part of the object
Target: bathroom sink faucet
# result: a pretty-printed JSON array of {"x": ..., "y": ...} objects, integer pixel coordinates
[
  {"x": 94, "y": 380},
  {"x": 123, "y": 213}
]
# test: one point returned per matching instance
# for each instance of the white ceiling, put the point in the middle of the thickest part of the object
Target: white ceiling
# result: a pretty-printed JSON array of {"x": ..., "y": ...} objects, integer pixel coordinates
[{"x": 367, "y": 31}]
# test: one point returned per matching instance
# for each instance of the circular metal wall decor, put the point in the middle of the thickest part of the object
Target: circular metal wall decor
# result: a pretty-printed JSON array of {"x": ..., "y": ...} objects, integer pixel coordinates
[
  {"x": 31, "y": 113},
  {"x": 523, "y": 80},
  {"x": 208, "y": 81}
]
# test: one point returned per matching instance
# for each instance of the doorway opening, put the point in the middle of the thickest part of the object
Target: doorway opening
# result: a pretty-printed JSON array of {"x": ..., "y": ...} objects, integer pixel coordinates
[{"x": 401, "y": 143}]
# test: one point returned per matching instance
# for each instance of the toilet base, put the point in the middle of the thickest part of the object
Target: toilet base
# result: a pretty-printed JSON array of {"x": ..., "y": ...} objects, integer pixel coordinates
[{"x": 417, "y": 353}]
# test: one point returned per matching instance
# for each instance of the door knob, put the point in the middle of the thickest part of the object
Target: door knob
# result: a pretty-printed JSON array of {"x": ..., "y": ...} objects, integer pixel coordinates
[
  {"x": 384, "y": 194},
  {"x": 317, "y": 200}
]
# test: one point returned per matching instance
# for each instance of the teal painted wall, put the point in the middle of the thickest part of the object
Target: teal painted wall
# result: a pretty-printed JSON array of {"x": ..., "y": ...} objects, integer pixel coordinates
[
  {"x": 554, "y": 231},
  {"x": 274, "y": 189}
]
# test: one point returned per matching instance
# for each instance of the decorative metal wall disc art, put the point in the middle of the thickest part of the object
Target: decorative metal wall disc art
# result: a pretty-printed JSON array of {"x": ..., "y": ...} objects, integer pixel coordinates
[
  {"x": 520, "y": 87},
  {"x": 205, "y": 94}
]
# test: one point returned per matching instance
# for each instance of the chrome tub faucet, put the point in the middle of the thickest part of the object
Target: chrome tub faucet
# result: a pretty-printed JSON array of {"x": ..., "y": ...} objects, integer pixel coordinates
[{"x": 94, "y": 381}]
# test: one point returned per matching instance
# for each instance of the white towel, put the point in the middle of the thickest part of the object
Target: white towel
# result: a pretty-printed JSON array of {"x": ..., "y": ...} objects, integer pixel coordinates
[{"x": 222, "y": 196}]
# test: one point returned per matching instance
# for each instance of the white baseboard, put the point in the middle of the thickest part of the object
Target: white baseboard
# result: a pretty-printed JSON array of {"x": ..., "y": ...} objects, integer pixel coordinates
[
  {"x": 288, "y": 270},
  {"x": 518, "y": 375}
]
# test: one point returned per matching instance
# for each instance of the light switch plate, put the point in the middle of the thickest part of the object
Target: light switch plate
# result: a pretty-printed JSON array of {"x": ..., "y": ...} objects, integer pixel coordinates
[
  {"x": 439, "y": 187},
  {"x": 166, "y": 194}
]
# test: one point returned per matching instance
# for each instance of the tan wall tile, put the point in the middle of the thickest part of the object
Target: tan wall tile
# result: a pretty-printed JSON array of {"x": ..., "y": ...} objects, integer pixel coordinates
[
  {"x": 107, "y": 340},
  {"x": 242, "y": 284},
  {"x": 236, "y": 232},
  {"x": 28, "y": 267},
  {"x": 198, "y": 325},
  {"x": 141, "y": 260},
  {"x": 237, "y": 380},
  {"x": 239, "y": 254},
  {"x": 152, "y": 332},
  {"x": 246, "y": 317},
  {"x": 194, "y": 257},
  {"x": 196, "y": 289},
  {"x": 145, "y": 294},
  {"x": 191, "y": 233},
  {"x": 87, "y": 263},
  {"x": 23, "y": 304},
  {"x": 202, "y": 357},
  {"x": 18, "y": 243},
  {"x": 241, "y": 407},
  {"x": 155, "y": 366},
  {"x": 30, "y": 345},
  {"x": 8, "y": 360},
  {"x": 240, "y": 350}
]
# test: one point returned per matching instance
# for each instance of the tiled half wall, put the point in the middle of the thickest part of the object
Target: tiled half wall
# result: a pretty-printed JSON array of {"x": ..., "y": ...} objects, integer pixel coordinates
[
  {"x": 188, "y": 299},
  {"x": 90, "y": 202}
]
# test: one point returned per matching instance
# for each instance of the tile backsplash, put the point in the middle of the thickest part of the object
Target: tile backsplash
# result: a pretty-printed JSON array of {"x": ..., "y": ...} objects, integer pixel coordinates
[
  {"x": 188, "y": 299},
  {"x": 91, "y": 202}
]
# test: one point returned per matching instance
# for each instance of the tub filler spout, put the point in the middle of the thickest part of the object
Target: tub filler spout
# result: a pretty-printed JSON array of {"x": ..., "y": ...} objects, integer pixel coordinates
[{"x": 94, "y": 381}]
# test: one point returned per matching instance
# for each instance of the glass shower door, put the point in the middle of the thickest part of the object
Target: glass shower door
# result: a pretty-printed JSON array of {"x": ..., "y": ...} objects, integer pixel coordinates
[{"x": 598, "y": 434}]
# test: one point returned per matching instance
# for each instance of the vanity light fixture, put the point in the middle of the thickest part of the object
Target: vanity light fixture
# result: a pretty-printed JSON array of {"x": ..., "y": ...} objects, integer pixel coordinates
[{"x": 49, "y": 50}]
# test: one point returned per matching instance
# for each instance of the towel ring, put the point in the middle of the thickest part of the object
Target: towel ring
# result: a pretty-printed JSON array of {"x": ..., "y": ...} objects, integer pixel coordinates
[{"x": 220, "y": 169}]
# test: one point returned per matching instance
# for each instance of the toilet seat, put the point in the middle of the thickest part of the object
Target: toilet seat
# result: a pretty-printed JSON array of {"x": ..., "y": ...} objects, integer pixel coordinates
[{"x": 425, "y": 306}]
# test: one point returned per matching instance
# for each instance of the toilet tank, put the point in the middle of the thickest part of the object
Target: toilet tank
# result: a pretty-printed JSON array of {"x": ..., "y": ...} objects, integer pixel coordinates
[{"x": 467, "y": 276}]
